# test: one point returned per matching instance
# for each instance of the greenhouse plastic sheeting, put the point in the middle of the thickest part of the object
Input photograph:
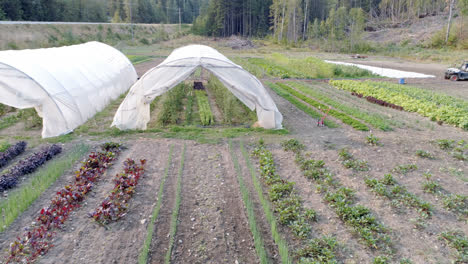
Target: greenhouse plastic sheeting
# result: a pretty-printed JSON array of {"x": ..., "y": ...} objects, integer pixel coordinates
[
  {"x": 66, "y": 85},
  {"x": 134, "y": 112}
]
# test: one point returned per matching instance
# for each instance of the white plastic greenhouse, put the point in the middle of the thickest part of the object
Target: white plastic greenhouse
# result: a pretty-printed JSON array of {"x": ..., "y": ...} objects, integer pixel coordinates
[
  {"x": 134, "y": 112},
  {"x": 66, "y": 85}
]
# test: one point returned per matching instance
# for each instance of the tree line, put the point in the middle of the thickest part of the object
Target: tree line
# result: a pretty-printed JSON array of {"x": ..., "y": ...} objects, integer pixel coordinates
[{"x": 130, "y": 11}]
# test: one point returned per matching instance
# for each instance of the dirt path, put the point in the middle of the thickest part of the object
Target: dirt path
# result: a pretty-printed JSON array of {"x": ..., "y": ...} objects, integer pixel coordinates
[{"x": 212, "y": 223}]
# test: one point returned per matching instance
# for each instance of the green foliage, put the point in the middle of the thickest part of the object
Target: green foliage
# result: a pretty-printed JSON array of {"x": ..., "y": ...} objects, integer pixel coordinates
[
  {"x": 458, "y": 241},
  {"x": 256, "y": 232},
  {"x": 350, "y": 162},
  {"x": 172, "y": 105},
  {"x": 189, "y": 107},
  {"x": 389, "y": 187},
  {"x": 381, "y": 260},
  {"x": 374, "y": 119},
  {"x": 436, "y": 106},
  {"x": 233, "y": 110},
  {"x": 424, "y": 154},
  {"x": 30, "y": 117},
  {"x": 4, "y": 145},
  {"x": 175, "y": 210},
  {"x": 282, "y": 245},
  {"x": 372, "y": 140},
  {"x": 319, "y": 250},
  {"x": 292, "y": 145},
  {"x": 204, "y": 108},
  {"x": 338, "y": 115},
  {"x": 405, "y": 168},
  {"x": 308, "y": 110},
  {"x": 341, "y": 199}
]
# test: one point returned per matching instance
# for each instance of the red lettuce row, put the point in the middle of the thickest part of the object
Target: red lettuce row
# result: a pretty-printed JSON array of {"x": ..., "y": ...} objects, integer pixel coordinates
[
  {"x": 28, "y": 165},
  {"x": 12, "y": 152},
  {"x": 115, "y": 205},
  {"x": 378, "y": 101},
  {"x": 36, "y": 240}
]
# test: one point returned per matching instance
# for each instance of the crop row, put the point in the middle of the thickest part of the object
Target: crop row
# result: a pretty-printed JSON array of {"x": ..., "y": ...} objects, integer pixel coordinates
[
  {"x": 36, "y": 240},
  {"x": 373, "y": 119},
  {"x": 204, "y": 109},
  {"x": 291, "y": 212},
  {"x": 28, "y": 165},
  {"x": 246, "y": 198},
  {"x": 337, "y": 114},
  {"x": 398, "y": 194},
  {"x": 377, "y": 101},
  {"x": 12, "y": 152},
  {"x": 233, "y": 110},
  {"x": 457, "y": 203},
  {"x": 172, "y": 105},
  {"x": 436, "y": 106},
  {"x": 458, "y": 150},
  {"x": 341, "y": 199},
  {"x": 293, "y": 100},
  {"x": 115, "y": 205}
]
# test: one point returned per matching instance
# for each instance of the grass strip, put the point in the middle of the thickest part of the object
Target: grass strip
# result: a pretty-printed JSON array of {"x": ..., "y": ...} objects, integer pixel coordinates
[
  {"x": 337, "y": 114},
  {"x": 282, "y": 246},
  {"x": 257, "y": 235},
  {"x": 143, "y": 257},
  {"x": 175, "y": 211},
  {"x": 300, "y": 105},
  {"x": 20, "y": 199},
  {"x": 4, "y": 145},
  {"x": 374, "y": 119}
]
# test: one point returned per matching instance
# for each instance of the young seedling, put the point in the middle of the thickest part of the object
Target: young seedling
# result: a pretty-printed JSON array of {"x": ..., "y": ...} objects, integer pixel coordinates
[{"x": 373, "y": 140}]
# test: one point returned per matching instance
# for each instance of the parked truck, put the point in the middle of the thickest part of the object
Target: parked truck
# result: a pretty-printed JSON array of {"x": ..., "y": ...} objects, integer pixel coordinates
[{"x": 457, "y": 74}]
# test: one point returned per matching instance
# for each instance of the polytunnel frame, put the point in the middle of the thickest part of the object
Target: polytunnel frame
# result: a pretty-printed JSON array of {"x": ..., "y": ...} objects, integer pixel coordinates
[
  {"x": 6, "y": 86},
  {"x": 30, "y": 80},
  {"x": 134, "y": 112}
]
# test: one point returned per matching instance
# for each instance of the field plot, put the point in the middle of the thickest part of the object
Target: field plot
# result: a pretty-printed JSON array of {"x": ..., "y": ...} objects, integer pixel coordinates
[{"x": 384, "y": 180}]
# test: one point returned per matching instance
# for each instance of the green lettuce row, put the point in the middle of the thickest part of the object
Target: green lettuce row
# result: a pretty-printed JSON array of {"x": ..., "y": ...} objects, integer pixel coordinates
[{"x": 449, "y": 111}]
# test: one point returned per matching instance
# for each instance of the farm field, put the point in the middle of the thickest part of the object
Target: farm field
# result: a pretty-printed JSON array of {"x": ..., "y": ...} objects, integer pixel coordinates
[{"x": 383, "y": 181}]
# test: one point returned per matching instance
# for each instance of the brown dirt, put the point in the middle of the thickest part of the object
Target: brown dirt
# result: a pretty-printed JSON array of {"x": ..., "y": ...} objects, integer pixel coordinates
[{"x": 212, "y": 226}]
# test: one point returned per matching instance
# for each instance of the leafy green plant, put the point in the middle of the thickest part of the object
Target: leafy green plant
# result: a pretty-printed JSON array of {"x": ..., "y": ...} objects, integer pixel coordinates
[
  {"x": 372, "y": 140},
  {"x": 350, "y": 162},
  {"x": 424, "y": 154},
  {"x": 380, "y": 260},
  {"x": 458, "y": 241},
  {"x": 204, "y": 109},
  {"x": 172, "y": 105},
  {"x": 389, "y": 187},
  {"x": 436, "y": 106},
  {"x": 319, "y": 250},
  {"x": 405, "y": 168},
  {"x": 292, "y": 145}
]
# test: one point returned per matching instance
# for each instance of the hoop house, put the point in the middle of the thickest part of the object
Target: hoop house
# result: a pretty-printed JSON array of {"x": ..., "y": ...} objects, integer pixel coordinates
[
  {"x": 134, "y": 112},
  {"x": 65, "y": 85}
]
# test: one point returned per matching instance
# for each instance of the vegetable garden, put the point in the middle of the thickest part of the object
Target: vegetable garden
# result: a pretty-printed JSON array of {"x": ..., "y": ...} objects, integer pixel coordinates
[{"x": 384, "y": 181}]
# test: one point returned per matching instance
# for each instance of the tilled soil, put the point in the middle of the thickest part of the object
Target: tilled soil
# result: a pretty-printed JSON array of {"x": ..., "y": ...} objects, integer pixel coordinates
[{"x": 213, "y": 227}]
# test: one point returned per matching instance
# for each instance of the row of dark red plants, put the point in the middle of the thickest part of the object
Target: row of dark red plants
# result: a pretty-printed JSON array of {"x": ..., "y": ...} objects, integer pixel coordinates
[
  {"x": 36, "y": 240},
  {"x": 378, "y": 101},
  {"x": 12, "y": 152},
  {"x": 115, "y": 206},
  {"x": 27, "y": 165}
]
